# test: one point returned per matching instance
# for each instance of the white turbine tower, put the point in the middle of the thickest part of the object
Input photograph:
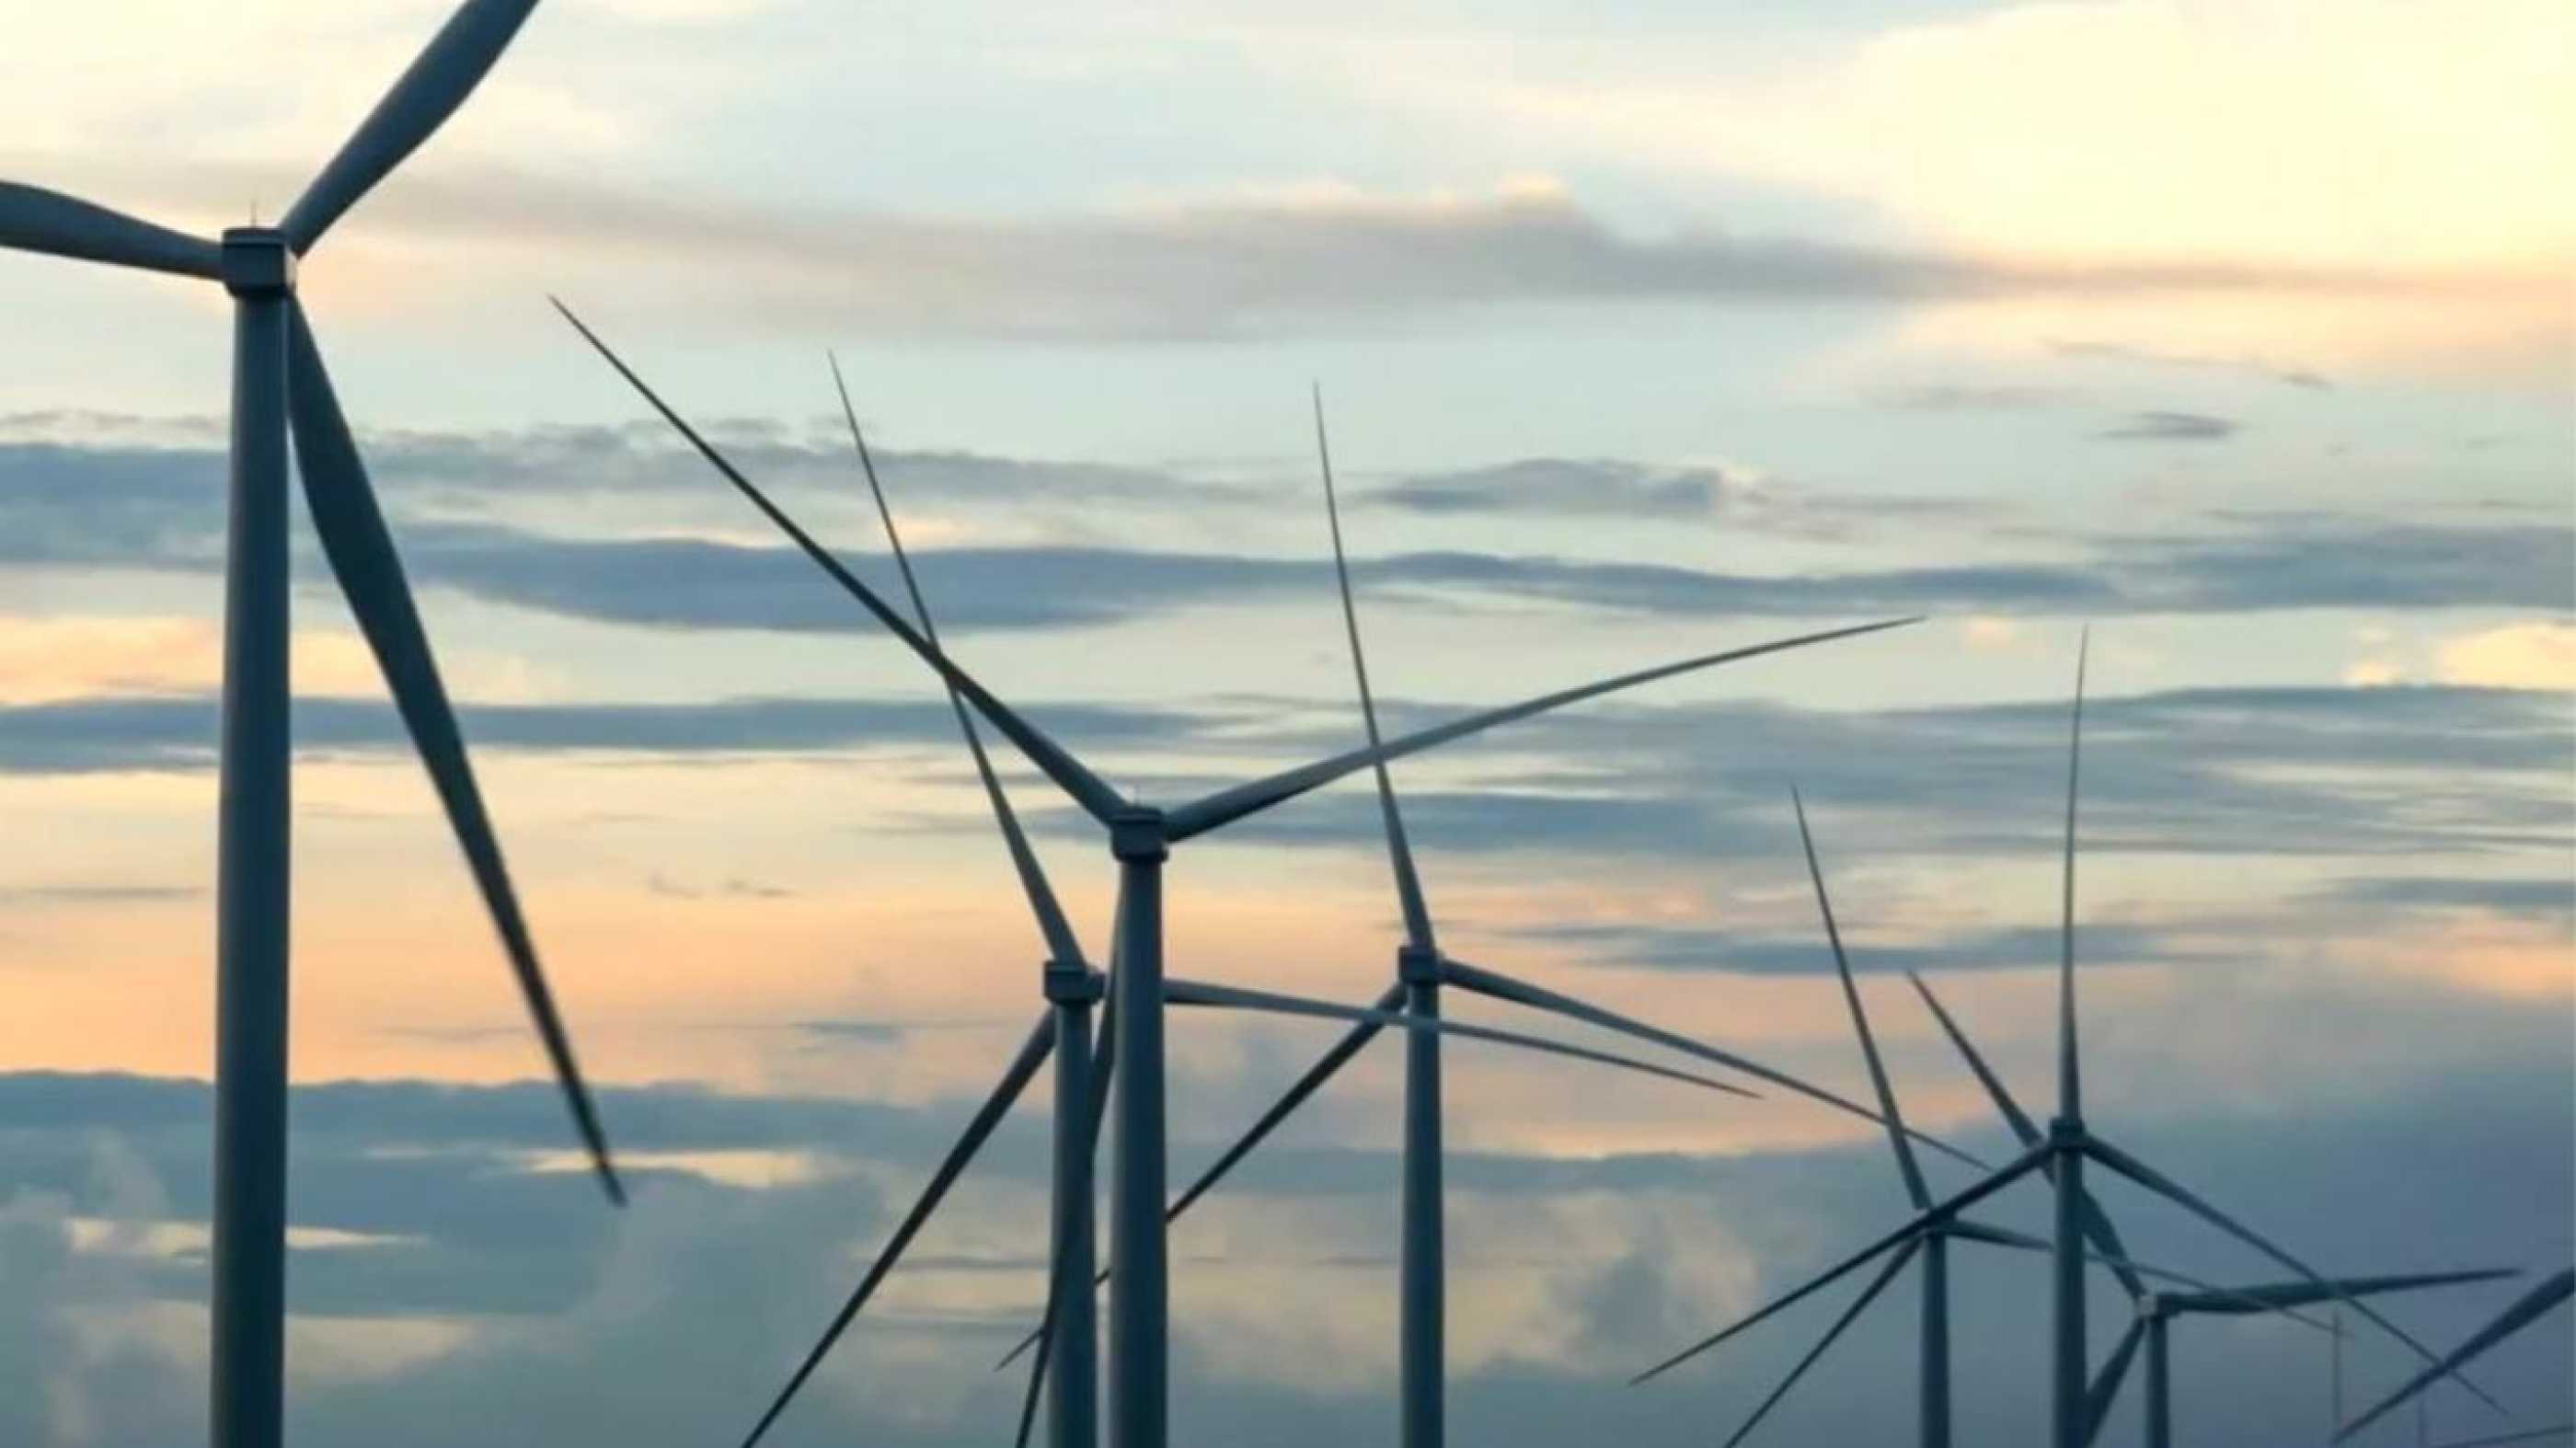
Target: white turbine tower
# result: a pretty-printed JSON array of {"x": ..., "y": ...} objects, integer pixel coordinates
[
  {"x": 279, "y": 383},
  {"x": 1070, "y": 986}
]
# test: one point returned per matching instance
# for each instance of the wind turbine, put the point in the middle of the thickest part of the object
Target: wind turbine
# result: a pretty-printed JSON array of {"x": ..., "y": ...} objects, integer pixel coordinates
[
  {"x": 1929, "y": 1240},
  {"x": 1421, "y": 968},
  {"x": 2525, "y": 1310},
  {"x": 2060, "y": 1155},
  {"x": 2154, "y": 1309},
  {"x": 279, "y": 383},
  {"x": 2157, "y": 1310},
  {"x": 1070, "y": 986}
]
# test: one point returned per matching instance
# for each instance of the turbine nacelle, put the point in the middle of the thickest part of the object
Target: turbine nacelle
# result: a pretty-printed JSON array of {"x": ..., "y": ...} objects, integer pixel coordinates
[
  {"x": 1140, "y": 834},
  {"x": 257, "y": 262}
]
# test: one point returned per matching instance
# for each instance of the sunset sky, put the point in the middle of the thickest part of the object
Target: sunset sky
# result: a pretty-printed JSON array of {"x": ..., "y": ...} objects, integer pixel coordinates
[{"x": 2240, "y": 331}]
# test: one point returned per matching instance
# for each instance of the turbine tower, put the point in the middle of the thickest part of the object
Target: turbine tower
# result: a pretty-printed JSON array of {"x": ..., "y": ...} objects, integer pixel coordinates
[
  {"x": 1079, "y": 1103},
  {"x": 280, "y": 384},
  {"x": 2060, "y": 1156}
]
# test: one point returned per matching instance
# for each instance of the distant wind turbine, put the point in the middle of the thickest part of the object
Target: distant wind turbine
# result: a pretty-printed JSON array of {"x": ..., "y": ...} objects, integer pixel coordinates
[
  {"x": 1071, "y": 985},
  {"x": 2526, "y": 1310},
  {"x": 2153, "y": 1309},
  {"x": 2061, "y": 1155},
  {"x": 1928, "y": 1240},
  {"x": 279, "y": 383},
  {"x": 2157, "y": 1310}
]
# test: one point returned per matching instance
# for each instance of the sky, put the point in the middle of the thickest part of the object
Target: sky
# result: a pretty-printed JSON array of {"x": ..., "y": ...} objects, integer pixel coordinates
[{"x": 2241, "y": 333}]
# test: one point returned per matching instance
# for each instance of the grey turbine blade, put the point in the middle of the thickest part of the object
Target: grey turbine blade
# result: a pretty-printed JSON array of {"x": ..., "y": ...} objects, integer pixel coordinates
[
  {"x": 1941, "y": 1211},
  {"x": 1502, "y": 987},
  {"x": 2070, "y": 1084},
  {"x": 2097, "y": 1225},
  {"x": 362, "y": 556},
  {"x": 2535, "y": 1435},
  {"x": 437, "y": 82},
  {"x": 35, "y": 219},
  {"x": 1052, "y": 925},
  {"x": 1085, "y": 788},
  {"x": 1033, "y": 1054},
  {"x": 2299, "y": 1294},
  {"x": 1199, "y": 993},
  {"x": 2014, "y": 1116},
  {"x": 2106, "y": 1388},
  {"x": 2520, "y": 1315},
  {"x": 1859, "y": 1304},
  {"x": 1399, "y": 851},
  {"x": 1037, "y": 1380},
  {"x": 1305, "y": 1086},
  {"x": 2164, "y": 1186},
  {"x": 1894, "y": 1119},
  {"x": 1228, "y": 805},
  {"x": 2133, "y": 1271}
]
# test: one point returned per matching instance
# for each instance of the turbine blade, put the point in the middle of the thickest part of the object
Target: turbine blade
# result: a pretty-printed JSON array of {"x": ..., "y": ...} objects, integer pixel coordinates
[
  {"x": 2240, "y": 1300},
  {"x": 2524, "y": 1311},
  {"x": 1033, "y": 1053},
  {"x": 1894, "y": 1119},
  {"x": 2106, "y": 1388},
  {"x": 2097, "y": 1227},
  {"x": 35, "y": 219},
  {"x": 1359, "y": 1035},
  {"x": 2130, "y": 1271},
  {"x": 2070, "y": 1084},
  {"x": 1941, "y": 1211},
  {"x": 1502, "y": 987},
  {"x": 2164, "y": 1186},
  {"x": 1229, "y": 805},
  {"x": 1225, "y": 997},
  {"x": 1307, "y": 1085},
  {"x": 2018, "y": 1119},
  {"x": 1061, "y": 945},
  {"x": 1858, "y": 1305},
  {"x": 2535, "y": 1435},
  {"x": 361, "y": 552},
  {"x": 1037, "y": 1380},
  {"x": 437, "y": 82},
  {"x": 1085, "y": 788},
  {"x": 1399, "y": 851}
]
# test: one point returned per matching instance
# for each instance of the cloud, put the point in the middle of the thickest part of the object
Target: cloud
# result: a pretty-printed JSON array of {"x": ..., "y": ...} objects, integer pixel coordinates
[
  {"x": 2516, "y": 656},
  {"x": 1970, "y": 397},
  {"x": 2050, "y": 130},
  {"x": 2171, "y": 427},
  {"x": 2149, "y": 356},
  {"x": 673, "y": 1322},
  {"x": 92, "y": 735},
  {"x": 145, "y": 508},
  {"x": 1734, "y": 950},
  {"x": 2536, "y": 897},
  {"x": 1233, "y": 265},
  {"x": 1559, "y": 486}
]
